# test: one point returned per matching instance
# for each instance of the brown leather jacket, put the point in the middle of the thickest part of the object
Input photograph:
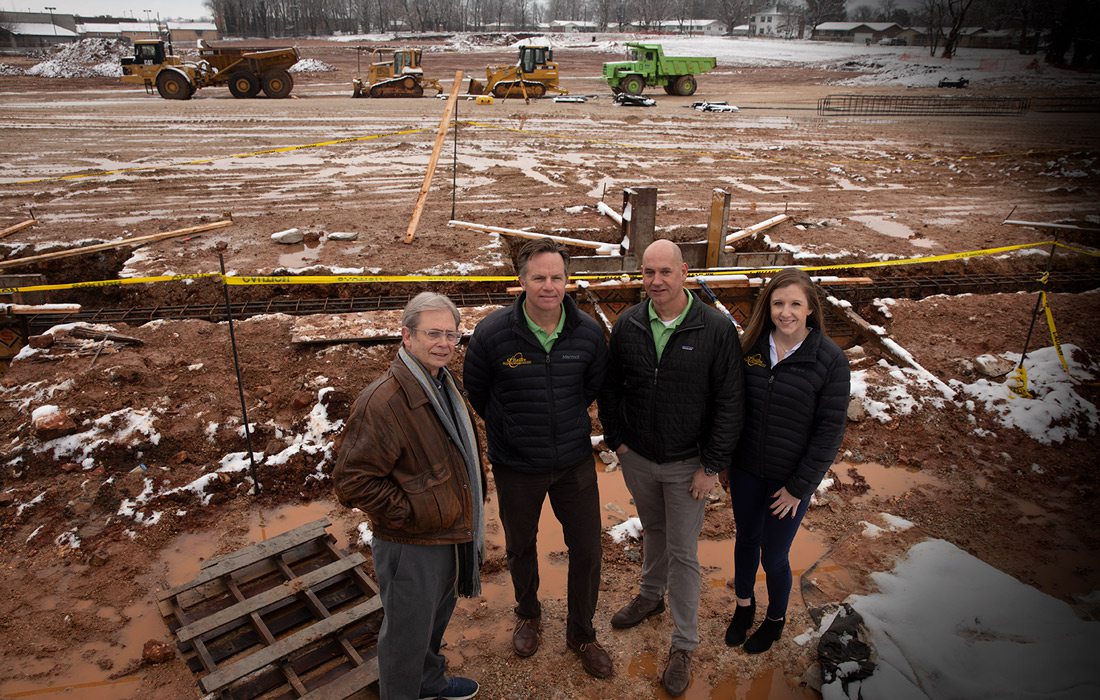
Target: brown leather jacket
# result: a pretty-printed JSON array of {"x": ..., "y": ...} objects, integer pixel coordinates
[{"x": 397, "y": 463}]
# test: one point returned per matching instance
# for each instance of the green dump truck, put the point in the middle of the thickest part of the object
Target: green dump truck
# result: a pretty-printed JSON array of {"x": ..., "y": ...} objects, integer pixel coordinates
[{"x": 650, "y": 67}]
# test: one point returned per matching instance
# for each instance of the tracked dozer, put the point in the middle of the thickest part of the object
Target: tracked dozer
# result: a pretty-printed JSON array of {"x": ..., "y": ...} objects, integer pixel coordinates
[
  {"x": 400, "y": 77},
  {"x": 533, "y": 75}
]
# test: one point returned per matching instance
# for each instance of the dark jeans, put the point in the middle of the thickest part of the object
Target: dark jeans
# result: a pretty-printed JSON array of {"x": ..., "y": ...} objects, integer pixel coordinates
[
  {"x": 762, "y": 538},
  {"x": 575, "y": 498}
]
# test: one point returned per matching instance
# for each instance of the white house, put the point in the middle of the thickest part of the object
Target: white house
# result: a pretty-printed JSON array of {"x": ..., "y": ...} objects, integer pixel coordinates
[
  {"x": 702, "y": 27},
  {"x": 775, "y": 23}
]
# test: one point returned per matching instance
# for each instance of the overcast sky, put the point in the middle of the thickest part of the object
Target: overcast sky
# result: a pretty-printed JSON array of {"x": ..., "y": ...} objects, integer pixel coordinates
[{"x": 182, "y": 9}]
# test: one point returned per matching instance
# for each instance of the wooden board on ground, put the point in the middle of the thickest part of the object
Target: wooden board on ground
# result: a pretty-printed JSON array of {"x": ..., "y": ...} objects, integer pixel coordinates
[
  {"x": 367, "y": 326},
  {"x": 289, "y": 617}
]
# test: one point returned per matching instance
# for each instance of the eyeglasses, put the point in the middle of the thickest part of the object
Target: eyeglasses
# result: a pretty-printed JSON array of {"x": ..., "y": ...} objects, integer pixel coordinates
[{"x": 435, "y": 335}]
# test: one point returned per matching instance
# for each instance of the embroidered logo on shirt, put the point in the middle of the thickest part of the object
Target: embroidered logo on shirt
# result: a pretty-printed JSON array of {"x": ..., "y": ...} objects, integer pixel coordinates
[
  {"x": 754, "y": 360},
  {"x": 516, "y": 360}
]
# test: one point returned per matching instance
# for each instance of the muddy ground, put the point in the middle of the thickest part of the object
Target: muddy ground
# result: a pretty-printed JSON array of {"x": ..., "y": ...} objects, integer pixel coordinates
[{"x": 96, "y": 160}]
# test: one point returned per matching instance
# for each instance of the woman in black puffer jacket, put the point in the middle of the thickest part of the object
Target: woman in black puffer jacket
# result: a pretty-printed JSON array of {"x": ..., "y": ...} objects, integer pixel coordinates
[{"x": 796, "y": 403}]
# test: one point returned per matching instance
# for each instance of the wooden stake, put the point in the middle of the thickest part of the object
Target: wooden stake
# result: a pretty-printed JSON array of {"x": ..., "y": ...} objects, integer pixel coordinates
[
  {"x": 439, "y": 136},
  {"x": 139, "y": 240},
  {"x": 716, "y": 226},
  {"x": 18, "y": 227}
]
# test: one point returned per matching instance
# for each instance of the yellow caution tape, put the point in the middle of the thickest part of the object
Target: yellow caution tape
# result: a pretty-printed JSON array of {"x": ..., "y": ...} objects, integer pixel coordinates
[
  {"x": 245, "y": 280},
  {"x": 1053, "y": 331},
  {"x": 1017, "y": 383}
]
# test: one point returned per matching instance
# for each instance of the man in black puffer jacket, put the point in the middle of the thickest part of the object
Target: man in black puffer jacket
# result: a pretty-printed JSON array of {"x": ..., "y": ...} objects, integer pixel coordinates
[
  {"x": 531, "y": 371},
  {"x": 672, "y": 409}
]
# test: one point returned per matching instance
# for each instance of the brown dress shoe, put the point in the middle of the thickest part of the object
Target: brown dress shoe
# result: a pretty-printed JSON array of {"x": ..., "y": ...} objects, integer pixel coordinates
[
  {"x": 635, "y": 611},
  {"x": 594, "y": 658},
  {"x": 677, "y": 676},
  {"x": 525, "y": 637}
]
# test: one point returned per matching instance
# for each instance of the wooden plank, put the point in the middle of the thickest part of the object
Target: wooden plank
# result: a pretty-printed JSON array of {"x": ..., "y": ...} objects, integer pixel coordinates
[
  {"x": 716, "y": 225},
  {"x": 639, "y": 222},
  {"x": 138, "y": 240},
  {"x": 348, "y": 684},
  {"x": 439, "y": 136},
  {"x": 37, "y": 309},
  {"x": 299, "y": 535},
  {"x": 600, "y": 247},
  {"x": 257, "y": 603},
  {"x": 299, "y": 640},
  {"x": 18, "y": 227},
  {"x": 220, "y": 566},
  {"x": 755, "y": 229}
]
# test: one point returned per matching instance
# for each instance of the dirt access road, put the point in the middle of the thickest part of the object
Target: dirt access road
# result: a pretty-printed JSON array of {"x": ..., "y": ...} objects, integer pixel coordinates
[{"x": 74, "y": 619}]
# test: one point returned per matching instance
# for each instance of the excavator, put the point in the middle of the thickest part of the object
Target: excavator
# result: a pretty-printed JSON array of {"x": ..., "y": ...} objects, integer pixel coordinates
[
  {"x": 533, "y": 75},
  {"x": 400, "y": 77}
]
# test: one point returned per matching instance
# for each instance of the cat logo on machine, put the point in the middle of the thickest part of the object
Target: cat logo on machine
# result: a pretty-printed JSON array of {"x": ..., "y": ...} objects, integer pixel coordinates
[{"x": 517, "y": 360}]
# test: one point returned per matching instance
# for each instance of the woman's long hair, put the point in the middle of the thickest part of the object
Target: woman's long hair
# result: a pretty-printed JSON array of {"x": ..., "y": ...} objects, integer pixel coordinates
[{"x": 761, "y": 319}]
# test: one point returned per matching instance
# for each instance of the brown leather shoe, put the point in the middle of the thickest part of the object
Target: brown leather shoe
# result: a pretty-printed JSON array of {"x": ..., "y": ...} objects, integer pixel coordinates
[
  {"x": 525, "y": 637},
  {"x": 594, "y": 658},
  {"x": 637, "y": 610},
  {"x": 677, "y": 676}
]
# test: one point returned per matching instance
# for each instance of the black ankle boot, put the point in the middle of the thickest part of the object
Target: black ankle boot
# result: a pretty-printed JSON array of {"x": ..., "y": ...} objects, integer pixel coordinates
[
  {"x": 765, "y": 635},
  {"x": 741, "y": 623}
]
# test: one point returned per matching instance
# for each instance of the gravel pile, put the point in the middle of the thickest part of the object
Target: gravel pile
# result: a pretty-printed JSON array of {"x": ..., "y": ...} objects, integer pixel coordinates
[
  {"x": 87, "y": 58},
  {"x": 312, "y": 65}
]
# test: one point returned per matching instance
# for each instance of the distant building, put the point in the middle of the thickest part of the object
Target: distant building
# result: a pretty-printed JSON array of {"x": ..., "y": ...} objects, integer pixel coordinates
[
  {"x": 190, "y": 33},
  {"x": 35, "y": 30},
  {"x": 775, "y": 23},
  {"x": 569, "y": 26},
  {"x": 702, "y": 27},
  {"x": 856, "y": 32}
]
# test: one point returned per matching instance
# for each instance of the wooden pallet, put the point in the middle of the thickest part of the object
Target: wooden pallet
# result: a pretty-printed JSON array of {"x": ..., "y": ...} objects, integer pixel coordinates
[{"x": 289, "y": 617}]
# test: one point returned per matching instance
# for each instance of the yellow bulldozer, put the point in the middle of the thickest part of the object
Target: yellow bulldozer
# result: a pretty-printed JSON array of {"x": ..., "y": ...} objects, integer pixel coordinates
[
  {"x": 533, "y": 75},
  {"x": 402, "y": 76}
]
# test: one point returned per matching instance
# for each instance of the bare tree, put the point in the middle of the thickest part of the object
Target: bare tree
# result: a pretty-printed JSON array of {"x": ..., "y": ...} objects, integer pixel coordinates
[
  {"x": 955, "y": 13},
  {"x": 818, "y": 11},
  {"x": 863, "y": 13}
]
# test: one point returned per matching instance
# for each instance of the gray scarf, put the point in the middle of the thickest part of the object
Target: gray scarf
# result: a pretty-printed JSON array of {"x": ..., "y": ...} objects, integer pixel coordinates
[{"x": 468, "y": 579}]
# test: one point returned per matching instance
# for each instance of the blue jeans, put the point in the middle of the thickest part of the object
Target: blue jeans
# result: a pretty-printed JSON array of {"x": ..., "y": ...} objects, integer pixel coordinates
[{"x": 762, "y": 538}]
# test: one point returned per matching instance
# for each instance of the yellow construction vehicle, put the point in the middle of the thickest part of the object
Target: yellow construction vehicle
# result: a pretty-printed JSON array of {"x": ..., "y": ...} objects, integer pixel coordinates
[
  {"x": 400, "y": 77},
  {"x": 534, "y": 74},
  {"x": 246, "y": 71}
]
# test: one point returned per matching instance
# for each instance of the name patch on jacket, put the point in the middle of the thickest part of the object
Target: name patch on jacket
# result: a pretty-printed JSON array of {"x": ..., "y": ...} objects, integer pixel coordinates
[
  {"x": 689, "y": 348},
  {"x": 516, "y": 360},
  {"x": 566, "y": 356},
  {"x": 754, "y": 360}
]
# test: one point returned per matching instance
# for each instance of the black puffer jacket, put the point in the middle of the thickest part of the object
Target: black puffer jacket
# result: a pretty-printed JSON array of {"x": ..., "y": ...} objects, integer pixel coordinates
[
  {"x": 534, "y": 403},
  {"x": 795, "y": 413},
  {"x": 691, "y": 403}
]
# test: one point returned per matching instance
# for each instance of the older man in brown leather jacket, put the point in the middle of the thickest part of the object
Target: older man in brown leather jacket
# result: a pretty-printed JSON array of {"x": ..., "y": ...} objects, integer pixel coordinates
[{"x": 409, "y": 458}]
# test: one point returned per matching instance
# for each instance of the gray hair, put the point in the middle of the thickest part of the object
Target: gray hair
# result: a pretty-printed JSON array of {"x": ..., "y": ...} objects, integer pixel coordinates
[{"x": 428, "y": 301}]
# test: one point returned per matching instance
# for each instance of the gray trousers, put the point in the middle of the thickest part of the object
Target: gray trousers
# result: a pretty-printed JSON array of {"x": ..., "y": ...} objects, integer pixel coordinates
[
  {"x": 672, "y": 520},
  {"x": 417, "y": 585}
]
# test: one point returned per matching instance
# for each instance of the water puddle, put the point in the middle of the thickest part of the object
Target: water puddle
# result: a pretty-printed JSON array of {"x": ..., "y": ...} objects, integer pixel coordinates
[
  {"x": 300, "y": 255},
  {"x": 887, "y": 227},
  {"x": 879, "y": 480}
]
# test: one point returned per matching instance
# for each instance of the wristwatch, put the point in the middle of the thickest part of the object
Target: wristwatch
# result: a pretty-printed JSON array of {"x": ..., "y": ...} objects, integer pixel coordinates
[{"x": 710, "y": 472}]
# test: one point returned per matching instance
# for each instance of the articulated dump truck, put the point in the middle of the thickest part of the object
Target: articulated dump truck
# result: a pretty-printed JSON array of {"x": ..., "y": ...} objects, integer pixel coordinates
[{"x": 246, "y": 71}]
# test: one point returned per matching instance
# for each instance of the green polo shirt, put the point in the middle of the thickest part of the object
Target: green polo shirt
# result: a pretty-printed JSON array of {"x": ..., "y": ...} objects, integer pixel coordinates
[
  {"x": 546, "y": 341},
  {"x": 662, "y": 332}
]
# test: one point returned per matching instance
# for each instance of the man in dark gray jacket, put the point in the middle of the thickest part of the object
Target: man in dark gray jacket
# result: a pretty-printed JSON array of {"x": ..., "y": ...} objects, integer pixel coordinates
[
  {"x": 672, "y": 408},
  {"x": 531, "y": 371}
]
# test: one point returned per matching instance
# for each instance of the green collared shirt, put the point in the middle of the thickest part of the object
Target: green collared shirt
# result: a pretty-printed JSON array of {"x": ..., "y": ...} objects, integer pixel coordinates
[
  {"x": 662, "y": 331},
  {"x": 545, "y": 340}
]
